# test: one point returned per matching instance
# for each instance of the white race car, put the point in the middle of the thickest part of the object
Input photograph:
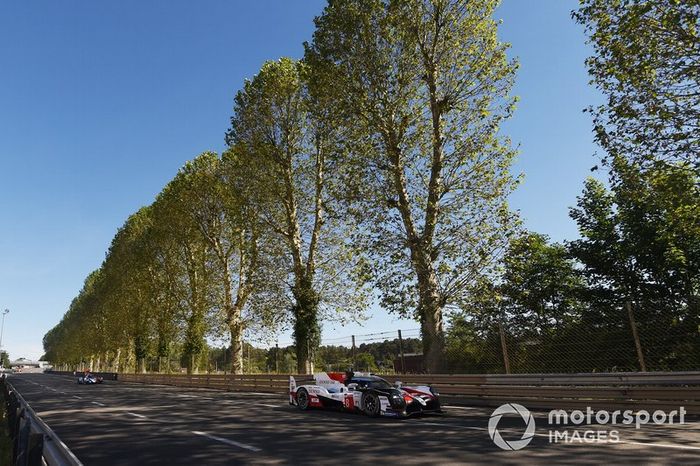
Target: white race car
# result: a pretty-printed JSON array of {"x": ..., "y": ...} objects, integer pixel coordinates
[
  {"x": 362, "y": 392},
  {"x": 89, "y": 379}
]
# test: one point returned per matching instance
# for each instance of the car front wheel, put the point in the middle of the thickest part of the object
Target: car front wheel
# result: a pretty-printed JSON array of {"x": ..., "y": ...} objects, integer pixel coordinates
[{"x": 370, "y": 404}]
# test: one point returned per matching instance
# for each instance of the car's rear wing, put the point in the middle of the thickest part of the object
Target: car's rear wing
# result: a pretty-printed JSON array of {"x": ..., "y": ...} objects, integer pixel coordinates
[
  {"x": 293, "y": 384},
  {"x": 292, "y": 389}
]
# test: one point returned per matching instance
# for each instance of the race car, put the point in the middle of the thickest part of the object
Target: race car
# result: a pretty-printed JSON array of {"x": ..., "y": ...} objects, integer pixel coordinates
[
  {"x": 89, "y": 379},
  {"x": 362, "y": 392}
]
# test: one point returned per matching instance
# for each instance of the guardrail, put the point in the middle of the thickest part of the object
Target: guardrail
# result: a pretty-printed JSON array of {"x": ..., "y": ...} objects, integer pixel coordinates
[
  {"x": 623, "y": 390},
  {"x": 35, "y": 443}
]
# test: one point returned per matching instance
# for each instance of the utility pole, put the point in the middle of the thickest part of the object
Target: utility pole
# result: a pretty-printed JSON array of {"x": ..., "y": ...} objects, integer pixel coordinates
[
  {"x": 2, "y": 329},
  {"x": 353, "y": 352},
  {"x": 277, "y": 364},
  {"x": 403, "y": 363}
]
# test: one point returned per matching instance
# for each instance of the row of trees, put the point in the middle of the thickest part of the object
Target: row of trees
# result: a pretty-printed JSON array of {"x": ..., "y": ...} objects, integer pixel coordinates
[
  {"x": 374, "y": 160},
  {"x": 374, "y": 168}
]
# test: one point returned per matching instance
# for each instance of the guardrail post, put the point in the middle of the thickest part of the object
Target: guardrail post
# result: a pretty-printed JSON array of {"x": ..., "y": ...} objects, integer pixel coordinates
[
  {"x": 22, "y": 439},
  {"x": 35, "y": 449}
]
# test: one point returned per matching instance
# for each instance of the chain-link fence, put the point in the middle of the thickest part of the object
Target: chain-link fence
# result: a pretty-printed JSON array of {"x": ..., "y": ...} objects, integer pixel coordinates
[{"x": 614, "y": 341}]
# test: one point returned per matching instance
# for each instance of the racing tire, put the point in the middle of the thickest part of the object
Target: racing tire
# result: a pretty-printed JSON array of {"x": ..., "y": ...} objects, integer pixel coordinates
[
  {"x": 303, "y": 399},
  {"x": 371, "y": 404}
]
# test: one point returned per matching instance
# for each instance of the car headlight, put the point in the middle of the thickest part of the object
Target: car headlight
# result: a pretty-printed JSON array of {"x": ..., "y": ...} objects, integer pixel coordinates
[{"x": 396, "y": 400}]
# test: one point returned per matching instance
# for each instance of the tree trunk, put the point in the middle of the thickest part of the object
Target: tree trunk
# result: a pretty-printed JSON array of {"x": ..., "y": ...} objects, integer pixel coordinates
[
  {"x": 236, "y": 330},
  {"x": 116, "y": 359},
  {"x": 430, "y": 302},
  {"x": 307, "y": 331},
  {"x": 430, "y": 311}
]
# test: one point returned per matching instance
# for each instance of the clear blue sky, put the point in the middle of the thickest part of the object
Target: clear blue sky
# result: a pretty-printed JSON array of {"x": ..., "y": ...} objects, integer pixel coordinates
[{"x": 102, "y": 102}]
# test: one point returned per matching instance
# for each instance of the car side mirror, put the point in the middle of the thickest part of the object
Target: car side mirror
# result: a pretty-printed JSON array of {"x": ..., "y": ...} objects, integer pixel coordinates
[
  {"x": 397, "y": 384},
  {"x": 352, "y": 386}
]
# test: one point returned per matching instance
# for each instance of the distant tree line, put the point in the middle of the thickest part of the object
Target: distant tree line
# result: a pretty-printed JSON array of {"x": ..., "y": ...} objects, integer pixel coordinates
[{"x": 374, "y": 167}]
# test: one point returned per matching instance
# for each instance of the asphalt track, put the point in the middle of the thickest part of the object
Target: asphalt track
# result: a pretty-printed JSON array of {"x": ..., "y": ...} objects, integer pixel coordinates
[{"x": 132, "y": 424}]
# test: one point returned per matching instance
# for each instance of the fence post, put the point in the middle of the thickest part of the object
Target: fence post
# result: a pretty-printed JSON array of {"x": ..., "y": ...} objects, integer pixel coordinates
[
  {"x": 635, "y": 335},
  {"x": 504, "y": 347},
  {"x": 353, "y": 351},
  {"x": 403, "y": 363}
]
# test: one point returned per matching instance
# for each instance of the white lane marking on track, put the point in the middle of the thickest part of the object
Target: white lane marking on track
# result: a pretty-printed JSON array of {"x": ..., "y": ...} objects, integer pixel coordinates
[
  {"x": 662, "y": 445},
  {"x": 269, "y": 406},
  {"x": 77, "y": 397},
  {"x": 136, "y": 415},
  {"x": 623, "y": 442},
  {"x": 97, "y": 403},
  {"x": 227, "y": 441}
]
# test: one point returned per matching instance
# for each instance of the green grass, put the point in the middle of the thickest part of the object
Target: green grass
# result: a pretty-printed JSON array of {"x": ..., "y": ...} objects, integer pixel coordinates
[{"x": 5, "y": 442}]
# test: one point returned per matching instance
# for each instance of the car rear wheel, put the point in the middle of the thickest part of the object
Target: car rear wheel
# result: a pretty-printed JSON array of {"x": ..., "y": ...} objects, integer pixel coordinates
[
  {"x": 303, "y": 399},
  {"x": 370, "y": 404}
]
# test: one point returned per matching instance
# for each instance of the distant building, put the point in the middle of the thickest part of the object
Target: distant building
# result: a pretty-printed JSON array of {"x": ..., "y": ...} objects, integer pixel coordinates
[
  {"x": 412, "y": 364},
  {"x": 29, "y": 365}
]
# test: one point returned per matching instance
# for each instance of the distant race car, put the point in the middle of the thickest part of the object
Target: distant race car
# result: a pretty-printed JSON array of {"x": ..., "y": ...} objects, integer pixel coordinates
[
  {"x": 89, "y": 379},
  {"x": 362, "y": 392}
]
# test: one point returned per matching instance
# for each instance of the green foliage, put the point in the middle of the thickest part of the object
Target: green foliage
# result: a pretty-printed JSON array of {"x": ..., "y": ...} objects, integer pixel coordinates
[
  {"x": 282, "y": 139},
  {"x": 378, "y": 159},
  {"x": 640, "y": 242},
  {"x": 645, "y": 62},
  {"x": 421, "y": 89},
  {"x": 4, "y": 359},
  {"x": 536, "y": 296}
]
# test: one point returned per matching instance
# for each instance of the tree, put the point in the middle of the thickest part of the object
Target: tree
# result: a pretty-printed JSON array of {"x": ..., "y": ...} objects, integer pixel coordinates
[
  {"x": 640, "y": 247},
  {"x": 423, "y": 87},
  {"x": 280, "y": 148},
  {"x": 4, "y": 359},
  {"x": 190, "y": 259},
  {"x": 536, "y": 296},
  {"x": 646, "y": 64},
  {"x": 213, "y": 199}
]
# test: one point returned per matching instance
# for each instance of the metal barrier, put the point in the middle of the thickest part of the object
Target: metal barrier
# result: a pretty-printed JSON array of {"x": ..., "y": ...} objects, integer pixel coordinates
[
  {"x": 34, "y": 442},
  {"x": 628, "y": 390}
]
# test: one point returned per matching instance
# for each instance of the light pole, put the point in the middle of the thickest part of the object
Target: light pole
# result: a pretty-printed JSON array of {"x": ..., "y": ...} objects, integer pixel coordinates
[{"x": 2, "y": 329}]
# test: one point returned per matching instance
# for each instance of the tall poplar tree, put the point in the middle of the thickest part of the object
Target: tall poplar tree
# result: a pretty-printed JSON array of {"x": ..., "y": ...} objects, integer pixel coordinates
[{"x": 423, "y": 86}]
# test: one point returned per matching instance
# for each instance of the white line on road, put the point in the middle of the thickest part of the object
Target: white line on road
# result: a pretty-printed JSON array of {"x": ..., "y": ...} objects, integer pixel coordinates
[
  {"x": 136, "y": 415},
  {"x": 97, "y": 403},
  {"x": 269, "y": 406},
  {"x": 227, "y": 441},
  {"x": 661, "y": 445},
  {"x": 77, "y": 397}
]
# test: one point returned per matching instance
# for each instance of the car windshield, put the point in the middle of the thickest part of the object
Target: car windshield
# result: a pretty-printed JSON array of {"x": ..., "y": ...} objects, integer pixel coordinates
[{"x": 376, "y": 383}]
